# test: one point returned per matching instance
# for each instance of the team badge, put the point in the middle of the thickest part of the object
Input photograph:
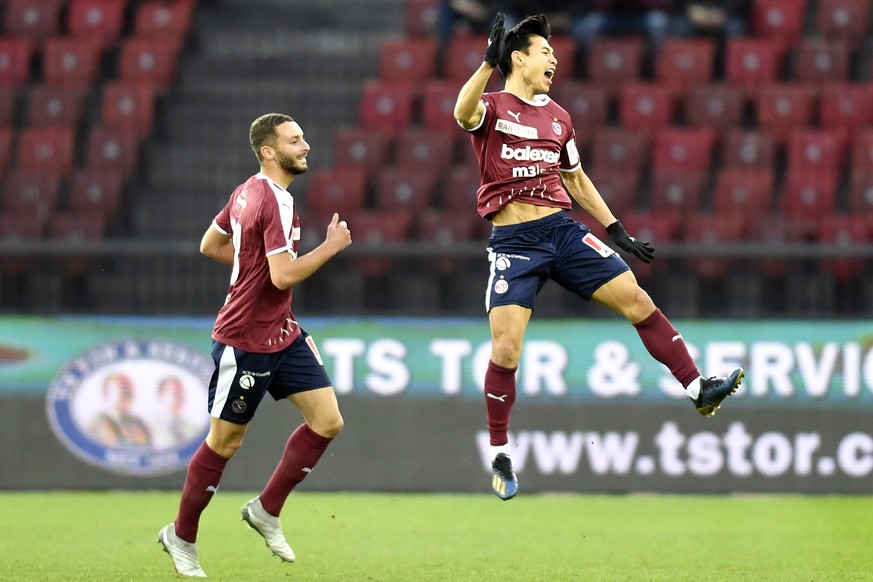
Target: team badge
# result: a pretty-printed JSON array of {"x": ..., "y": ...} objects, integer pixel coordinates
[
  {"x": 556, "y": 127},
  {"x": 501, "y": 287}
]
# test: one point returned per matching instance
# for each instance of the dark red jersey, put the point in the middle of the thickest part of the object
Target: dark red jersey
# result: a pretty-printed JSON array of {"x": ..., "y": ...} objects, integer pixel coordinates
[
  {"x": 261, "y": 219},
  {"x": 522, "y": 146}
]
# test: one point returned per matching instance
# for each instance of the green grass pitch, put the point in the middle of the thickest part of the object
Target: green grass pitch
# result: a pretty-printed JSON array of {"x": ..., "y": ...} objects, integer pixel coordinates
[{"x": 421, "y": 537}]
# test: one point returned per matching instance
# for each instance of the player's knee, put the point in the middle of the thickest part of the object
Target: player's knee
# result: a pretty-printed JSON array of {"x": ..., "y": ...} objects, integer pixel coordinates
[
  {"x": 329, "y": 426},
  {"x": 506, "y": 351}
]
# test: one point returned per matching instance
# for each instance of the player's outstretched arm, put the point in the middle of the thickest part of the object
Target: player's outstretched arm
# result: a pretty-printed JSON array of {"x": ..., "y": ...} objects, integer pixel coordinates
[
  {"x": 469, "y": 107},
  {"x": 217, "y": 246},
  {"x": 286, "y": 272}
]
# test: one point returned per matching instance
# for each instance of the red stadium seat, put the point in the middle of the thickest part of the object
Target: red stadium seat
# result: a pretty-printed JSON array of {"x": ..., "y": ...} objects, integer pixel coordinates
[
  {"x": 565, "y": 54},
  {"x": 844, "y": 19},
  {"x": 462, "y": 56},
  {"x": 683, "y": 149},
  {"x": 678, "y": 190},
  {"x": 407, "y": 61},
  {"x": 19, "y": 226},
  {"x": 587, "y": 104},
  {"x": 46, "y": 150},
  {"x": 409, "y": 189},
  {"x": 618, "y": 187},
  {"x": 97, "y": 19},
  {"x": 752, "y": 62},
  {"x": 112, "y": 150},
  {"x": 846, "y": 232},
  {"x": 820, "y": 61},
  {"x": 148, "y": 61},
  {"x": 5, "y": 147},
  {"x": 614, "y": 62},
  {"x": 775, "y": 229},
  {"x": 808, "y": 196},
  {"x": 377, "y": 228},
  {"x": 459, "y": 188},
  {"x": 332, "y": 190},
  {"x": 438, "y": 105},
  {"x": 75, "y": 228},
  {"x": 645, "y": 107},
  {"x": 385, "y": 108},
  {"x": 712, "y": 230},
  {"x": 657, "y": 228},
  {"x": 846, "y": 106},
  {"x": 34, "y": 193},
  {"x": 750, "y": 149},
  {"x": 128, "y": 107},
  {"x": 97, "y": 192},
  {"x": 861, "y": 194},
  {"x": 15, "y": 55},
  {"x": 422, "y": 18},
  {"x": 743, "y": 192},
  {"x": 816, "y": 150},
  {"x": 861, "y": 155},
  {"x": 683, "y": 63},
  {"x": 362, "y": 148},
  {"x": 424, "y": 149},
  {"x": 717, "y": 106},
  {"x": 780, "y": 19},
  {"x": 7, "y": 105},
  {"x": 71, "y": 62},
  {"x": 55, "y": 106},
  {"x": 32, "y": 19},
  {"x": 441, "y": 229},
  {"x": 784, "y": 107},
  {"x": 170, "y": 19},
  {"x": 619, "y": 148}
]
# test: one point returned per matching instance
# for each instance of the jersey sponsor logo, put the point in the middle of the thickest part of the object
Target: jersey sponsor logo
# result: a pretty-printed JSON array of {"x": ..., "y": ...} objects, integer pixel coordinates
[
  {"x": 595, "y": 243},
  {"x": 528, "y": 154},
  {"x": 527, "y": 171},
  {"x": 516, "y": 129},
  {"x": 516, "y": 116},
  {"x": 133, "y": 406}
]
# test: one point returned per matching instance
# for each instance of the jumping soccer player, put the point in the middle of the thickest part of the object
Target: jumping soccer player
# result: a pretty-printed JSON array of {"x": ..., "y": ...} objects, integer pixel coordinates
[
  {"x": 526, "y": 147},
  {"x": 257, "y": 344}
]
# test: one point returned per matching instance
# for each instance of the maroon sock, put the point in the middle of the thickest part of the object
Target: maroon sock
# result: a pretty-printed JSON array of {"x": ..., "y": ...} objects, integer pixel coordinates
[
  {"x": 499, "y": 398},
  {"x": 302, "y": 451},
  {"x": 667, "y": 346},
  {"x": 201, "y": 483}
]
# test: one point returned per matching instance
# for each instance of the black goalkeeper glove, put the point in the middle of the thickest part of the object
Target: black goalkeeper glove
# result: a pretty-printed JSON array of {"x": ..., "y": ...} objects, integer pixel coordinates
[
  {"x": 495, "y": 41},
  {"x": 641, "y": 249}
]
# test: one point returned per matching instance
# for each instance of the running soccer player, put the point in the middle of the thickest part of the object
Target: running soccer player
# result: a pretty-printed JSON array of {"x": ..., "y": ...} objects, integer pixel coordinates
[
  {"x": 257, "y": 344},
  {"x": 526, "y": 148}
]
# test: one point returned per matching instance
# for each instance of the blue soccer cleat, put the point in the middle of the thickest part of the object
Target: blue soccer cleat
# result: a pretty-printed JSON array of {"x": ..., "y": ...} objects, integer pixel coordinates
[
  {"x": 503, "y": 480},
  {"x": 714, "y": 390}
]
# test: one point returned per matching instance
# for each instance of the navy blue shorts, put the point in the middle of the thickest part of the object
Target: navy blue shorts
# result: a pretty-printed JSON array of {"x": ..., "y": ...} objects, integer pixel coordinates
[
  {"x": 524, "y": 256},
  {"x": 242, "y": 378}
]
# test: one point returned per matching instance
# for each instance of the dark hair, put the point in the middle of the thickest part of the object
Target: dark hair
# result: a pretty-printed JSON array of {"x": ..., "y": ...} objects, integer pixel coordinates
[
  {"x": 518, "y": 39},
  {"x": 263, "y": 131}
]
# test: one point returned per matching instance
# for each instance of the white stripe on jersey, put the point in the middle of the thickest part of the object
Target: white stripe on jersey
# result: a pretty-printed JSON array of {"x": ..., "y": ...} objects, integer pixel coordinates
[
  {"x": 226, "y": 374},
  {"x": 492, "y": 258}
]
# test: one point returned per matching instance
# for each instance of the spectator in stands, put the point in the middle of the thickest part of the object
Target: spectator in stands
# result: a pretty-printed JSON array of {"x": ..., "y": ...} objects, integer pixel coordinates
[
  {"x": 474, "y": 16},
  {"x": 716, "y": 19},
  {"x": 530, "y": 168},
  {"x": 258, "y": 346},
  {"x": 650, "y": 18}
]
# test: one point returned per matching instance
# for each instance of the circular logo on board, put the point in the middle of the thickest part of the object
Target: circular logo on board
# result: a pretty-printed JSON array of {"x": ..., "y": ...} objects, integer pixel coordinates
[{"x": 133, "y": 407}]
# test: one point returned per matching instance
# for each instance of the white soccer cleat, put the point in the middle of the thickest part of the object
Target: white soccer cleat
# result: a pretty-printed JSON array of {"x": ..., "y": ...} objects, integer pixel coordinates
[
  {"x": 183, "y": 554},
  {"x": 269, "y": 527}
]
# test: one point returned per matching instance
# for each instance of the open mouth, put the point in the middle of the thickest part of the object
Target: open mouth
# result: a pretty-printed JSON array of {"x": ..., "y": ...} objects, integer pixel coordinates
[{"x": 550, "y": 73}]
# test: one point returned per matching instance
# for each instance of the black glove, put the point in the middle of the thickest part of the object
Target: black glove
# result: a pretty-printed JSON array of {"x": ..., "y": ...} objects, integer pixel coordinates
[
  {"x": 495, "y": 41},
  {"x": 641, "y": 249}
]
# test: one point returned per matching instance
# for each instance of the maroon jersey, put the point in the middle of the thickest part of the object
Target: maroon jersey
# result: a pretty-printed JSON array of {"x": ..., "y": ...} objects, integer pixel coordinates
[
  {"x": 521, "y": 146},
  {"x": 262, "y": 220}
]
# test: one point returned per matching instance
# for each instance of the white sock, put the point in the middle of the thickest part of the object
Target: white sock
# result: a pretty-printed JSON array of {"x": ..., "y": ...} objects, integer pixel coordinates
[
  {"x": 693, "y": 389},
  {"x": 495, "y": 450}
]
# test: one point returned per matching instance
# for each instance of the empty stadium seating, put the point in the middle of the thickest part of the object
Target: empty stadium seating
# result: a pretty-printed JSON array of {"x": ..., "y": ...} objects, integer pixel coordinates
[
  {"x": 684, "y": 63},
  {"x": 408, "y": 61}
]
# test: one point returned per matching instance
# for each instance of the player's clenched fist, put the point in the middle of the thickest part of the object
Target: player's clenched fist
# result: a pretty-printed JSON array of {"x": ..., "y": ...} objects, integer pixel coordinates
[{"x": 339, "y": 236}]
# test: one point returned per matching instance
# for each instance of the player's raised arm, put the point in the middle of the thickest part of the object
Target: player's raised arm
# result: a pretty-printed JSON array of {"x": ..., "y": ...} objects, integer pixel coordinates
[
  {"x": 469, "y": 108},
  {"x": 286, "y": 272}
]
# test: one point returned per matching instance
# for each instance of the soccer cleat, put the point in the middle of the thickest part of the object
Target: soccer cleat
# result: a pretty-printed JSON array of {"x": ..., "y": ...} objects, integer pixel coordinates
[
  {"x": 715, "y": 389},
  {"x": 183, "y": 554},
  {"x": 269, "y": 527},
  {"x": 503, "y": 480}
]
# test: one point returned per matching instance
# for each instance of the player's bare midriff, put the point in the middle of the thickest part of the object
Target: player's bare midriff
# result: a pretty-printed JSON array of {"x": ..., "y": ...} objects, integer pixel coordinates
[{"x": 518, "y": 212}]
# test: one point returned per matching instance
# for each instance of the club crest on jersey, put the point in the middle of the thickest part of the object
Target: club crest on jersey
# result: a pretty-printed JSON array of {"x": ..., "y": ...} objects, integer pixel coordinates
[
  {"x": 516, "y": 129},
  {"x": 556, "y": 127}
]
